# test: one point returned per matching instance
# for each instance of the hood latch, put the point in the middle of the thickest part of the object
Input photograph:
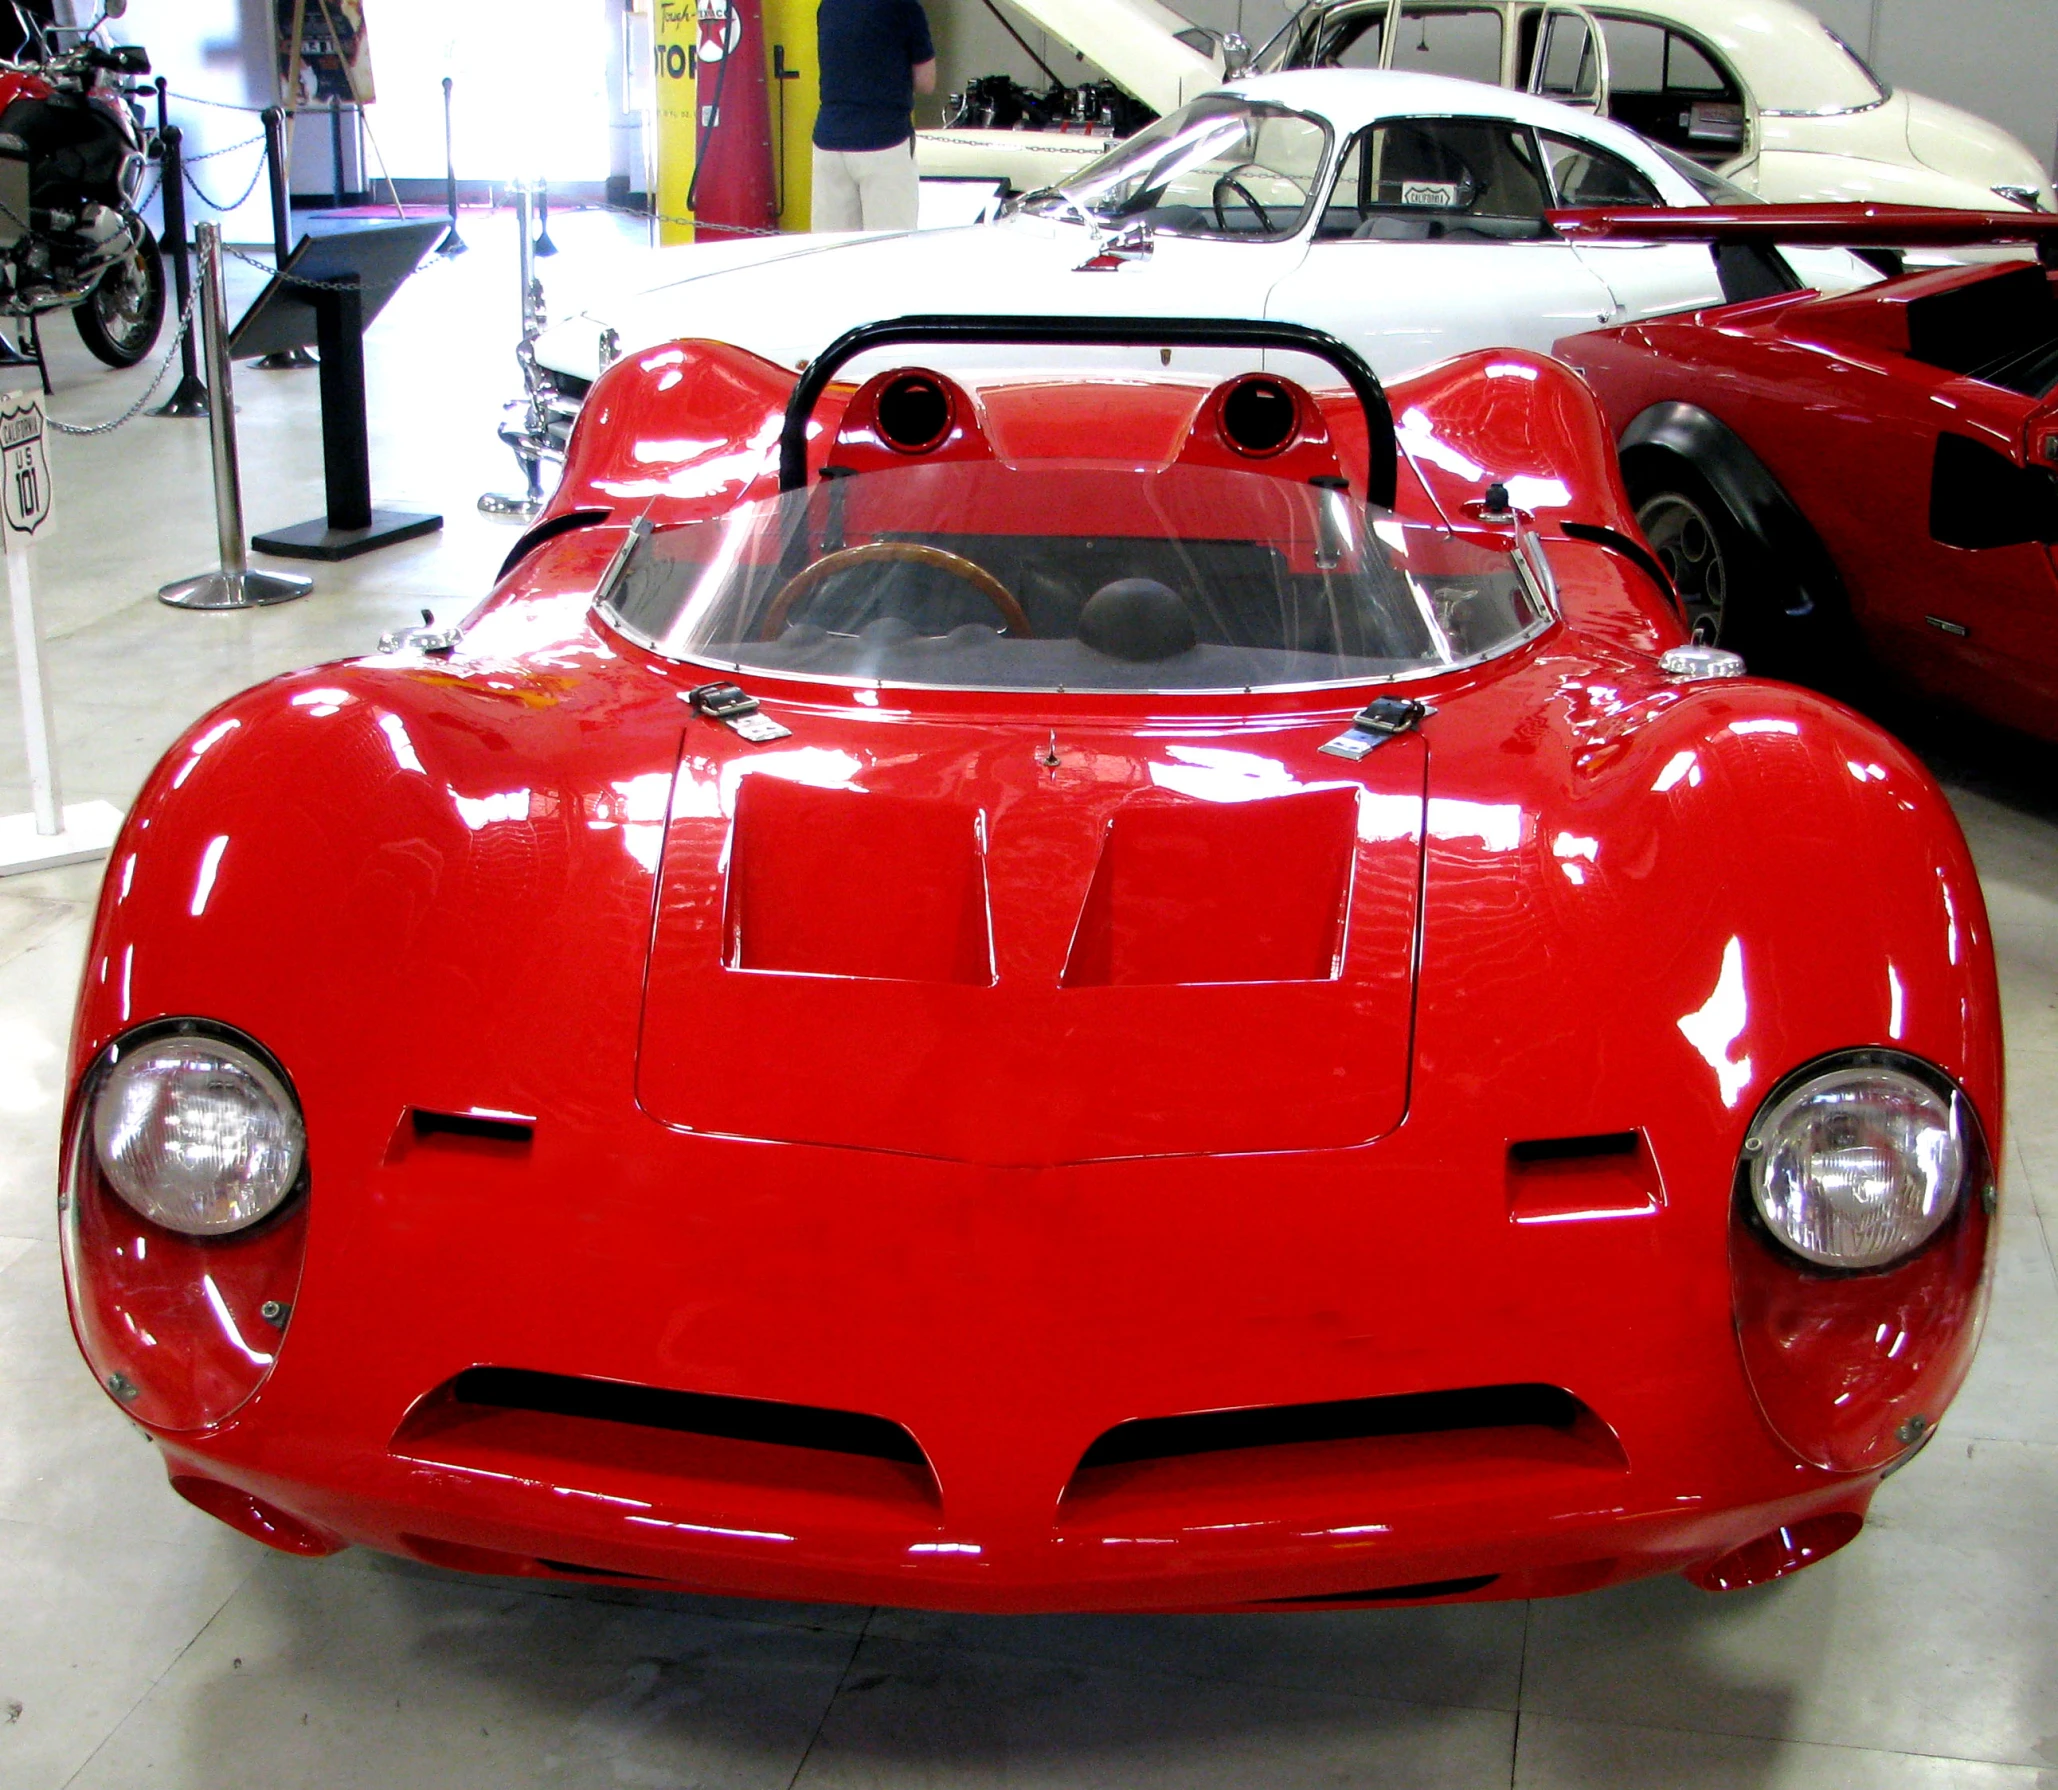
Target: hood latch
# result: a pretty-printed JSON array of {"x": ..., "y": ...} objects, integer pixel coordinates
[
  {"x": 1377, "y": 723},
  {"x": 740, "y": 711}
]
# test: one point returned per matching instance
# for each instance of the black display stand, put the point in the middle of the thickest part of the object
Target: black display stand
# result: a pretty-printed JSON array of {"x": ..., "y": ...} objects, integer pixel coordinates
[{"x": 326, "y": 295}]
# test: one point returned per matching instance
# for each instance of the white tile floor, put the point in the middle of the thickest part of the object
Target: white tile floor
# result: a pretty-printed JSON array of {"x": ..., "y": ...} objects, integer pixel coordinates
[{"x": 141, "y": 1643}]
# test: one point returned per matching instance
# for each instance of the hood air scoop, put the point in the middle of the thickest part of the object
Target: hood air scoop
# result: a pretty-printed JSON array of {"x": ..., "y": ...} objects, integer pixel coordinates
[{"x": 948, "y": 958}]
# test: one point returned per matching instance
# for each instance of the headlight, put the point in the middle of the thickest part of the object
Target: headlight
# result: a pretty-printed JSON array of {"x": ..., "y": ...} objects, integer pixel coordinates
[
  {"x": 197, "y": 1134},
  {"x": 1859, "y": 1165}
]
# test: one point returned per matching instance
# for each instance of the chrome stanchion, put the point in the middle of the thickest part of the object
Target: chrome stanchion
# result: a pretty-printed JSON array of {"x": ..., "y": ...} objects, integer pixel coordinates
[
  {"x": 453, "y": 244},
  {"x": 235, "y": 586},
  {"x": 530, "y": 438}
]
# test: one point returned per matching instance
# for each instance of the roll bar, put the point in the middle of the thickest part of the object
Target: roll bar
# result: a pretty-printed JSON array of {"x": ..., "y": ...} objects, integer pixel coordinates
[{"x": 1382, "y": 471}]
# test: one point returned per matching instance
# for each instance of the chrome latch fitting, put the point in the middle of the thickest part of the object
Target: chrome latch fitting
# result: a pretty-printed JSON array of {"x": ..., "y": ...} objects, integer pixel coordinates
[
  {"x": 739, "y": 711},
  {"x": 1698, "y": 664},
  {"x": 1375, "y": 724},
  {"x": 428, "y": 638}
]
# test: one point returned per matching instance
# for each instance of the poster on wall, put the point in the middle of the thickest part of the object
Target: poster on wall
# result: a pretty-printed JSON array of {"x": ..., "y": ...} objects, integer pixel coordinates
[{"x": 324, "y": 53}]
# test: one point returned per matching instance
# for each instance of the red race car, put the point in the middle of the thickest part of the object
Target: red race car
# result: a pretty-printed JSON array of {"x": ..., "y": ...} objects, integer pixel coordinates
[
  {"x": 1097, "y": 990},
  {"x": 1870, "y": 475}
]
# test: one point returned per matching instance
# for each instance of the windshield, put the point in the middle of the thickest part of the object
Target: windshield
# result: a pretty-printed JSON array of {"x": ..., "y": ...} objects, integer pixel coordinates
[
  {"x": 1222, "y": 167},
  {"x": 1705, "y": 181},
  {"x": 982, "y": 575}
]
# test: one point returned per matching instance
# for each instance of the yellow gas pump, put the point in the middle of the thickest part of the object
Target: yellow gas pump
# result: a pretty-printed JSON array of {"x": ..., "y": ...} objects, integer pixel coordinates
[{"x": 792, "y": 84}]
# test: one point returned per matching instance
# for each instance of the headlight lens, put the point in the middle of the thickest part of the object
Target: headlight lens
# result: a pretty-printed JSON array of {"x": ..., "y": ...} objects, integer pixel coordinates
[
  {"x": 1859, "y": 1166},
  {"x": 197, "y": 1134}
]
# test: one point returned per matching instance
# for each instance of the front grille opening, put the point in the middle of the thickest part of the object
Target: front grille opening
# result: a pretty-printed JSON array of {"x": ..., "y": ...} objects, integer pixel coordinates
[
  {"x": 1348, "y": 1420},
  {"x": 684, "y": 1452},
  {"x": 571, "y": 1570},
  {"x": 1392, "y": 1594},
  {"x": 688, "y": 1413}
]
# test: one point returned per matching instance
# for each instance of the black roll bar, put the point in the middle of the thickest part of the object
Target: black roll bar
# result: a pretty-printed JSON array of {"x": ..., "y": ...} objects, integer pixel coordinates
[{"x": 1382, "y": 471}]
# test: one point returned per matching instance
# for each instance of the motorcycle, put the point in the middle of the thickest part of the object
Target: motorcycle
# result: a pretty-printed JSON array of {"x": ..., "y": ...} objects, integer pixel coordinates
[{"x": 73, "y": 155}]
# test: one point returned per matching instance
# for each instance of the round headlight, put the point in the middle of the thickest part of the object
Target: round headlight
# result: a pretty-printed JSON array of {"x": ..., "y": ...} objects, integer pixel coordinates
[
  {"x": 1858, "y": 1166},
  {"x": 197, "y": 1134}
]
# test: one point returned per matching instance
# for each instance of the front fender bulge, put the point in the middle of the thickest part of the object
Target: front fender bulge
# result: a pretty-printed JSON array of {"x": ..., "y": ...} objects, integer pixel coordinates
[{"x": 1647, "y": 905}]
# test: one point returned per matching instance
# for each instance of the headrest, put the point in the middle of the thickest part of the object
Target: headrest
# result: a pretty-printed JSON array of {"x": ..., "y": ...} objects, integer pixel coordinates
[{"x": 1137, "y": 619}]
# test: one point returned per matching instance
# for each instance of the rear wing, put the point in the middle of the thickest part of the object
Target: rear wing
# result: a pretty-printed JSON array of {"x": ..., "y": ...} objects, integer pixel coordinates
[{"x": 1816, "y": 227}]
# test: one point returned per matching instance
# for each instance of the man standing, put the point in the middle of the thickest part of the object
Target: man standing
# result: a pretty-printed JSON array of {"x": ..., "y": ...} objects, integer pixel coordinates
[{"x": 875, "y": 56}]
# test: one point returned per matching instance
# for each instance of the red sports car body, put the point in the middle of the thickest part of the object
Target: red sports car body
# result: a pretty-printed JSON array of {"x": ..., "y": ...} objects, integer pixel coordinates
[
  {"x": 1878, "y": 464},
  {"x": 1218, "y": 1058}
]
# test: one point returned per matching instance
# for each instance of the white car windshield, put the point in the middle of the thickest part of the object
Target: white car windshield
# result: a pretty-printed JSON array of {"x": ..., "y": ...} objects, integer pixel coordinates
[
  {"x": 1073, "y": 577},
  {"x": 1221, "y": 167}
]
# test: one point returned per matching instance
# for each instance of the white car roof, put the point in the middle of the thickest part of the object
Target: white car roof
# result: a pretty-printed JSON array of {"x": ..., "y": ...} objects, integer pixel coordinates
[
  {"x": 1785, "y": 54},
  {"x": 1351, "y": 98}
]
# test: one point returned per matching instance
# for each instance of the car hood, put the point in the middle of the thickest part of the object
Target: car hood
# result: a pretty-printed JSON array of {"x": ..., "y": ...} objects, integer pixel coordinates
[
  {"x": 1144, "y": 948},
  {"x": 786, "y": 303},
  {"x": 1970, "y": 149}
]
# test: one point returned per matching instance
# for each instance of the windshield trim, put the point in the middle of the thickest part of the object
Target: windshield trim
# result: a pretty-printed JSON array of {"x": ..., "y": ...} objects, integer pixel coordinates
[
  {"x": 1550, "y": 616},
  {"x": 1056, "y": 204},
  {"x": 1098, "y": 693}
]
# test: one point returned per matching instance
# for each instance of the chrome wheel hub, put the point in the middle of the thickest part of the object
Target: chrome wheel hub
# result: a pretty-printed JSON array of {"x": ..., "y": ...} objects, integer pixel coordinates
[{"x": 1691, "y": 553}]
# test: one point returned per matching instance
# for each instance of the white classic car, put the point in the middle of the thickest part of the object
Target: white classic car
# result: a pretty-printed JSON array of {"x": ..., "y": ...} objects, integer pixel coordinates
[
  {"x": 1764, "y": 92},
  {"x": 1402, "y": 213}
]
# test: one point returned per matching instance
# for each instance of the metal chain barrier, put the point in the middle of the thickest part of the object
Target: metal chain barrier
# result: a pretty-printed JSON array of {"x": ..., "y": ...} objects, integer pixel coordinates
[
  {"x": 256, "y": 175},
  {"x": 136, "y": 409},
  {"x": 218, "y": 105}
]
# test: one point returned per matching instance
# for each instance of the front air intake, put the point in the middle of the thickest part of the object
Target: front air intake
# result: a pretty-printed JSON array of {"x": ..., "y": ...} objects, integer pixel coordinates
[
  {"x": 1348, "y": 1420},
  {"x": 687, "y": 1413}
]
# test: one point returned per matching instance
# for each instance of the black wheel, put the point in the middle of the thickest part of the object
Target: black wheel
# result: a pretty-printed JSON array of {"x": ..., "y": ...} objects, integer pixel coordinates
[
  {"x": 120, "y": 320},
  {"x": 1737, "y": 593}
]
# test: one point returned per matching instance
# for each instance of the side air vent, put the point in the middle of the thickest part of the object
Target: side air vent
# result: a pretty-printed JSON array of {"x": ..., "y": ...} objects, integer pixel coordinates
[
  {"x": 473, "y": 1127},
  {"x": 1602, "y": 1175},
  {"x": 1273, "y": 1426},
  {"x": 690, "y": 1413}
]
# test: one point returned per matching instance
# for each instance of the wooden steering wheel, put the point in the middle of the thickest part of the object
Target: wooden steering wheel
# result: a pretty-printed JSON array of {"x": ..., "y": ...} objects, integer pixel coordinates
[{"x": 911, "y": 553}]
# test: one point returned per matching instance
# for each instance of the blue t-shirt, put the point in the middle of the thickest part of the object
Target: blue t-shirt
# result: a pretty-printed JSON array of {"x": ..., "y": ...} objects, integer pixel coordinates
[{"x": 868, "y": 50}]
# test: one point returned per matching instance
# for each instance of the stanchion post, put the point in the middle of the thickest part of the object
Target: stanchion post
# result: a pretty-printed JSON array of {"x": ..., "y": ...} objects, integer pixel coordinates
[
  {"x": 189, "y": 397},
  {"x": 544, "y": 246},
  {"x": 45, "y": 800},
  {"x": 235, "y": 586},
  {"x": 278, "y": 165},
  {"x": 529, "y": 439},
  {"x": 50, "y": 833},
  {"x": 453, "y": 244},
  {"x": 336, "y": 150}
]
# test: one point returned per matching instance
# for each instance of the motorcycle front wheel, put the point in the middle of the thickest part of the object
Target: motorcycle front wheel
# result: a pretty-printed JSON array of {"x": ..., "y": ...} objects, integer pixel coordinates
[{"x": 119, "y": 320}]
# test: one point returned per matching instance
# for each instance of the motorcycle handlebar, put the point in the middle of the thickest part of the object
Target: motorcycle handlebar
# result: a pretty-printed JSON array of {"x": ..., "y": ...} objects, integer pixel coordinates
[{"x": 122, "y": 59}]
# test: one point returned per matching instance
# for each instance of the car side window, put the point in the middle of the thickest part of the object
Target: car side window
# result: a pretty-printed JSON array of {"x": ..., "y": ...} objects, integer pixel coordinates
[
  {"x": 1352, "y": 37},
  {"x": 1586, "y": 174},
  {"x": 1673, "y": 89},
  {"x": 1464, "y": 41},
  {"x": 1438, "y": 180}
]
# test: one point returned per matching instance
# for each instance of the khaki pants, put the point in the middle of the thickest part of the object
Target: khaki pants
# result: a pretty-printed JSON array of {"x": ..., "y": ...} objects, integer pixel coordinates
[{"x": 866, "y": 189}]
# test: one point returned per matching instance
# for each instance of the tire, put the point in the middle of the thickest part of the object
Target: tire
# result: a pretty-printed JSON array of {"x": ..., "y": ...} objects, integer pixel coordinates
[
  {"x": 1736, "y": 594},
  {"x": 121, "y": 318}
]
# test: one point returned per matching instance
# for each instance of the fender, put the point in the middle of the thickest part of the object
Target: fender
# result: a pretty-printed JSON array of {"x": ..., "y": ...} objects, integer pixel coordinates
[{"x": 1746, "y": 486}]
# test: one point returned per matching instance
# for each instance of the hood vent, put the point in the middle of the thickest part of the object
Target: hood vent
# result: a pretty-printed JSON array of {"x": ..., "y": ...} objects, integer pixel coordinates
[{"x": 1233, "y": 892}]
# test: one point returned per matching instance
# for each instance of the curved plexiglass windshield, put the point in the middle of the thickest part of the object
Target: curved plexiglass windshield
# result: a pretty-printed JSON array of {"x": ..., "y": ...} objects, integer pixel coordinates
[
  {"x": 1221, "y": 167},
  {"x": 982, "y": 575}
]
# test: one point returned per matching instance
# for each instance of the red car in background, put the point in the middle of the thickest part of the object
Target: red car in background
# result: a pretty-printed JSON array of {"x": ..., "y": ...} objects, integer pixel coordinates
[
  {"x": 1868, "y": 476},
  {"x": 1058, "y": 990}
]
